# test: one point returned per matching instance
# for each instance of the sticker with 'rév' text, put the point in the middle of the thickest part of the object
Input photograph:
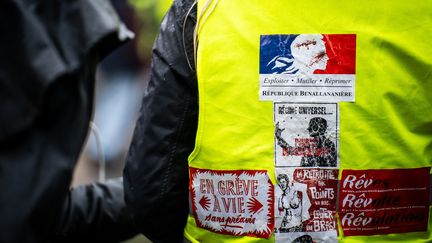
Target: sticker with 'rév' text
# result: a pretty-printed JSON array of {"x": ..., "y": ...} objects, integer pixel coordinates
[{"x": 384, "y": 201}]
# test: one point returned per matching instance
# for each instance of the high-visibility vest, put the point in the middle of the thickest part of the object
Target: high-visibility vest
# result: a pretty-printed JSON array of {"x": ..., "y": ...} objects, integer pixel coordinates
[{"x": 384, "y": 122}]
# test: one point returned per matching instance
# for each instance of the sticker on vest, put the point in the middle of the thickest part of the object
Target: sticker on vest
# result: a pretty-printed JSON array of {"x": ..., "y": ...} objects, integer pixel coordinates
[
  {"x": 306, "y": 134},
  {"x": 305, "y": 204},
  {"x": 308, "y": 67},
  {"x": 384, "y": 201},
  {"x": 236, "y": 202}
]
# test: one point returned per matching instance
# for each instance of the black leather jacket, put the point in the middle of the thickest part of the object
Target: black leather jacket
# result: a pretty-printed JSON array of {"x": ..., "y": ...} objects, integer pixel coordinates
[
  {"x": 94, "y": 213},
  {"x": 49, "y": 50},
  {"x": 156, "y": 173}
]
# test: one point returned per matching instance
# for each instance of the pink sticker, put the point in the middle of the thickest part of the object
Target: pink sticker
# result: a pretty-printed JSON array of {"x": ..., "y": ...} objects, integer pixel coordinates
[
  {"x": 238, "y": 202},
  {"x": 384, "y": 201}
]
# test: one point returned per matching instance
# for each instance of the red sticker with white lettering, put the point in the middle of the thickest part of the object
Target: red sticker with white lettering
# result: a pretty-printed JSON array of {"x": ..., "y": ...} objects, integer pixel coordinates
[
  {"x": 384, "y": 201},
  {"x": 238, "y": 202}
]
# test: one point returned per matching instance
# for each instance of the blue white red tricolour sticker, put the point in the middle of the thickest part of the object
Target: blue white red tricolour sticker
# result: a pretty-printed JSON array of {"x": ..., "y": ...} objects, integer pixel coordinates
[
  {"x": 308, "y": 67},
  {"x": 236, "y": 202}
]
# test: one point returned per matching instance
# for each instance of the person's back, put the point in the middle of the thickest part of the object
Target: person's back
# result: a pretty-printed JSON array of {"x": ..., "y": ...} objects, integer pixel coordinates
[{"x": 237, "y": 157}]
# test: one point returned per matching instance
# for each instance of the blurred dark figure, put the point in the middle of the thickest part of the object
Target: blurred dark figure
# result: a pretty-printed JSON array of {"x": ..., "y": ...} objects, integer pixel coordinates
[
  {"x": 118, "y": 95},
  {"x": 49, "y": 50}
]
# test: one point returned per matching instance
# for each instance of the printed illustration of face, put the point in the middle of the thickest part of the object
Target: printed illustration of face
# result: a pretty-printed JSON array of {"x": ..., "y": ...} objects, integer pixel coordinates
[
  {"x": 317, "y": 127},
  {"x": 283, "y": 183},
  {"x": 310, "y": 52}
]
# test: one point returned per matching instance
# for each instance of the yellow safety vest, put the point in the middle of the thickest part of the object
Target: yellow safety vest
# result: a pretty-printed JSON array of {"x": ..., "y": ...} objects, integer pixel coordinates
[{"x": 385, "y": 123}]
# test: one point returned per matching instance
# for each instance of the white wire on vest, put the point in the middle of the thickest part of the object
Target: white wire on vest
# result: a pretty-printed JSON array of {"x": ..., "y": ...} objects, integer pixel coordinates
[{"x": 101, "y": 154}]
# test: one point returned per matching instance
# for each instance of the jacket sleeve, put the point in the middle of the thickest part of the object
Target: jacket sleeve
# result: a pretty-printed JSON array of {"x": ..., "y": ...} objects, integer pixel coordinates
[
  {"x": 49, "y": 51},
  {"x": 95, "y": 213},
  {"x": 156, "y": 172}
]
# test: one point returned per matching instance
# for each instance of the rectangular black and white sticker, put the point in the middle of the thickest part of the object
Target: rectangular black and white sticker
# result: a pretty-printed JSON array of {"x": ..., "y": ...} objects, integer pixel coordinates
[
  {"x": 306, "y": 135},
  {"x": 305, "y": 205}
]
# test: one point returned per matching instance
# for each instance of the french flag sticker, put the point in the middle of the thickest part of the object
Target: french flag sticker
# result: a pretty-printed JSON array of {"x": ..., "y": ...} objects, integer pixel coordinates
[{"x": 308, "y": 67}]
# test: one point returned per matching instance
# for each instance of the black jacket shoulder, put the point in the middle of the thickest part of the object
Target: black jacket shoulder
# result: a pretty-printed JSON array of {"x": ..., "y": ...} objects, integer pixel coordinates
[{"x": 156, "y": 172}]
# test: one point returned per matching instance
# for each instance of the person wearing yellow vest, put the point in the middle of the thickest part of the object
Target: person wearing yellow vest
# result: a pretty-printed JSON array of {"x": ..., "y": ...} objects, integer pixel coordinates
[{"x": 268, "y": 75}]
